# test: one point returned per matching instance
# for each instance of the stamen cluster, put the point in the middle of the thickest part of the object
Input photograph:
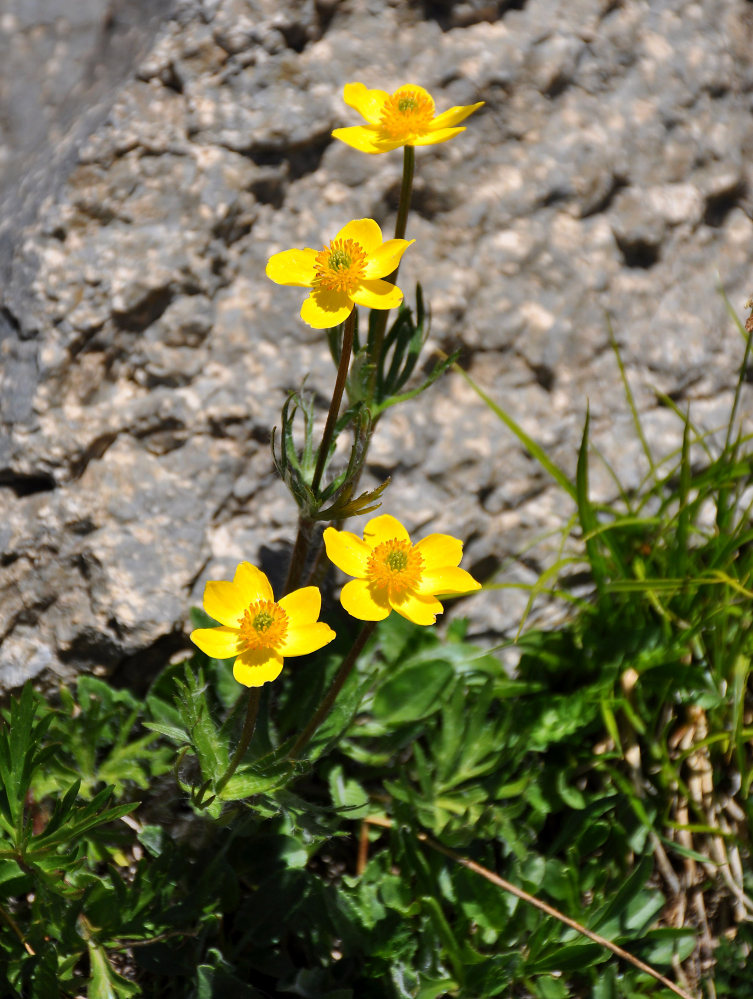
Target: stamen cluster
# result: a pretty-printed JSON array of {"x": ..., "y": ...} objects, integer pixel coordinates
[
  {"x": 264, "y": 625},
  {"x": 340, "y": 266},
  {"x": 406, "y": 113},
  {"x": 396, "y": 565}
]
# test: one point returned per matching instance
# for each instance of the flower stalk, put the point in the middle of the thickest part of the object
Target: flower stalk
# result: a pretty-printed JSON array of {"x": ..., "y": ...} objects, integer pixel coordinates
[
  {"x": 299, "y": 553},
  {"x": 249, "y": 726},
  {"x": 337, "y": 395},
  {"x": 337, "y": 684},
  {"x": 306, "y": 524},
  {"x": 406, "y": 192},
  {"x": 401, "y": 222}
]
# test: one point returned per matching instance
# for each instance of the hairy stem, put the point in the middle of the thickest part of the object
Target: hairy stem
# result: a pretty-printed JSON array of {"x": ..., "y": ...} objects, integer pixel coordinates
[
  {"x": 337, "y": 684},
  {"x": 337, "y": 395},
  {"x": 252, "y": 710},
  {"x": 406, "y": 191},
  {"x": 305, "y": 524},
  {"x": 299, "y": 553}
]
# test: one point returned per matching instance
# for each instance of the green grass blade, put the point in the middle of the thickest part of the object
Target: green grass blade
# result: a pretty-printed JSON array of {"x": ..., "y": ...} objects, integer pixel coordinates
[
  {"x": 534, "y": 449},
  {"x": 586, "y": 511},
  {"x": 630, "y": 398}
]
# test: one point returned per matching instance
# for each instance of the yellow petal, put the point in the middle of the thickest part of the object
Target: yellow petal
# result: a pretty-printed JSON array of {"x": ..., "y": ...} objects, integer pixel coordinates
[
  {"x": 324, "y": 309},
  {"x": 306, "y": 639},
  {"x": 219, "y": 643},
  {"x": 302, "y": 606},
  {"x": 384, "y": 259},
  {"x": 364, "y": 602},
  {"x": 363, "y": 231},
  {"x": 416, "y": 608},
  {"x": 368, "y": 103},
  {"x": 347, "y": 551},
  {"x": 449, "y": 580},
  {"x": 453, "y": 116},
  {"x": 252, "y": 583},
  {"x": 257, "y": 667},
  {"x": 441, "y": 135},
  {"x": 440, "y": 550},
  {"x": 224, "y": 601},
  {"x": 365, "y": 138},
  {"x": 377, "y": 294},
  {"x": 384, "y": 528},
  {"x": 294, "y": 267}
]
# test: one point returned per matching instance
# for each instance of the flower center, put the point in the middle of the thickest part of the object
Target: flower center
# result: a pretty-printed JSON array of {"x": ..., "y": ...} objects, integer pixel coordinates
[
  {"x": 395, "y": 564},
  {"x": 407, "y": 114},
  {"x": 264, "y": 625},
  {"x": 340, "y": 266}
]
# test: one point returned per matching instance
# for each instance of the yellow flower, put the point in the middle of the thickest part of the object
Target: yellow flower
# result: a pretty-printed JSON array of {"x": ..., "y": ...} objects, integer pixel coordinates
[
  {"x": 256, "y": 628},
  {"x": 405, "y": 118},
  {"x": 345, "y": 273},
  {"x": 393, "y": 574}
]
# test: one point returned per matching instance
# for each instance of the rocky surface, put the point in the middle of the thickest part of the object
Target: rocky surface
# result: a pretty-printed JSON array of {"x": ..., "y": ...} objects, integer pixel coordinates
[{"x": 144, "y": 356}]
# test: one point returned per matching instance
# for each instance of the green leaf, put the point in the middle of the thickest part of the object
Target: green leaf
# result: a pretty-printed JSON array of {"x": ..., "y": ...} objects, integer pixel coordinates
[
  {"x": 177, "y": 735},
  {"x": 246, "y": 783},
  {"x": 414, "y": 692},
  {"x": 347, "y": 794},
  {"x": 45, "y": 979},
  {"x": 21, "y": 754},
  {"x": 194, "y": 708},
  {"x": 668, "y": 943},
  {"x": 104, "y": 981},
  {"x": 588, "y": 522},
  {"x": 570, "y": 957},
  {"x": 218, "y": 981}
]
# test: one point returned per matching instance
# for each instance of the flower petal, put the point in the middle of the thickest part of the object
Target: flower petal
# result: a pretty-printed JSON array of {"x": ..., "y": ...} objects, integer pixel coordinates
[
  {"x": 384, "y": 528},
  {"x": 257, "y": 666},
  {"x": 252, "y": 583},
  {"x": 453, "y": 116},
  {"x": 366, "y": 139},
  {"x": 294, "y": 267},
  {"x": 440, "y": 135},
  {"x": 363, "y": 231},
  {"x": 306, "y": 639},
  {"x": 224, "y": 601},
  {"x": 302, "y": 606},
  {"x": 440, "y": 550},
  {"x": 417, "y": 608},
  {"x": 324, "y": 309},
  {"x": 385, "y": 259},
  {"x": 365, "y": 602},
  {"x": 347, "y": 551},
  {"x": 368, "y": 103},
  {"x": 219, "y": 643},
  {"x": 377, "y": 294},
  {"x": 448, "y": 580}
]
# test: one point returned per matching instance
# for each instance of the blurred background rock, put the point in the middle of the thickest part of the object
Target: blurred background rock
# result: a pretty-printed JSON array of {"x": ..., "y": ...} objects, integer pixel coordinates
[{"x": 155, "y": 154}]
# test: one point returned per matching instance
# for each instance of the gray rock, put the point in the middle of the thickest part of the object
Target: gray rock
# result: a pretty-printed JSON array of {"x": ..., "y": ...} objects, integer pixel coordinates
[{"x": 144, "y": 356}]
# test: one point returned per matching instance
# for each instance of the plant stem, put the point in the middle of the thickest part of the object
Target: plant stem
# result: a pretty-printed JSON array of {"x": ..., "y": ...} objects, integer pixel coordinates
[
  {"x": 406, "y": 191},
  {"x": 306, "y": 524},
  {"x": 337, "y": 394},
  {"x": 252, "y": 710},
  {"x": 337, "y": 684},
  {"x": 298, "y": 555}
]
